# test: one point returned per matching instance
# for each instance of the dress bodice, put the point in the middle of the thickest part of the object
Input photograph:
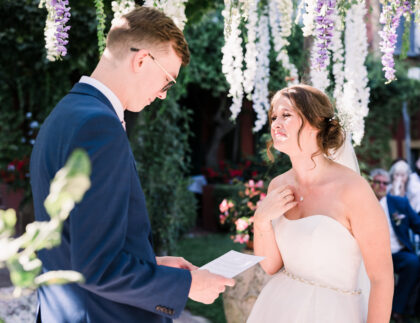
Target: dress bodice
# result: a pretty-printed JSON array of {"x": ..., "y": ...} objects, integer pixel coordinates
[{"x": 319, "y": 248}]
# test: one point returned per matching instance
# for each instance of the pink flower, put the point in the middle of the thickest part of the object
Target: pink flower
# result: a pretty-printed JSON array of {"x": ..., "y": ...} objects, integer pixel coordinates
[
  {"x": 251, "y": 206},
  {"x": 241, "y": 238},
  {"x": 260, "y": 184},
  {"x": 251, "y": 183},
  {"x": 222, "y": 218},
  {"x": 262, "y": 196},
  {"x": 225, "y": 206},
  {"x": 241, "y": 224}
]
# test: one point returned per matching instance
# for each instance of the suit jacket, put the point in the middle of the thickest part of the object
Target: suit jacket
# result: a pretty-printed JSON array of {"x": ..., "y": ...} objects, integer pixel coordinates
[
  {"x": 107, "y": 236},
  {"x": 398, "y": 205}
]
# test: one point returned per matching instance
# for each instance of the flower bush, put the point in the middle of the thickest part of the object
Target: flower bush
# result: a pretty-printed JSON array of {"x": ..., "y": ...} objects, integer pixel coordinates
[
  {"x": 227, "y": 172},
  {"x": 237, "y": 213}
]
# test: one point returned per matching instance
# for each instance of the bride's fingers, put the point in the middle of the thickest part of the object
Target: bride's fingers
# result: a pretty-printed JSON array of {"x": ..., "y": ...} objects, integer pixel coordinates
[
  {"x": 285, "y": 192},
  {"x": 290, "y": 205},
  {"x": 288, "y": 198}
]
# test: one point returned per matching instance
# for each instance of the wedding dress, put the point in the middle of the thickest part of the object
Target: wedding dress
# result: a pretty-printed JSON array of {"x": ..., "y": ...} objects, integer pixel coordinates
[
  {"x": 319, "y": 281},
  {"x": 323, "y": 279}
]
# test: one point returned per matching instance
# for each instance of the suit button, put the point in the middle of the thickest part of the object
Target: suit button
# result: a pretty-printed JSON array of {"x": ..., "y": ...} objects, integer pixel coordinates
[{"x": 158, "y": 308}]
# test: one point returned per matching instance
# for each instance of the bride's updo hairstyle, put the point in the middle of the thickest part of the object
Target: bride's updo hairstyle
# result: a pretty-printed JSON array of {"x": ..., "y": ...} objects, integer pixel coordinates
[{"x": 313, "y": 106}]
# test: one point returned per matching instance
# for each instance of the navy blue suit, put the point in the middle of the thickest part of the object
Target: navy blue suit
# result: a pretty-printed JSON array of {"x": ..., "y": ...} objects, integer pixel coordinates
[
  {"x": 406, "y": 263},
  {"x": 107, "y": 237}
]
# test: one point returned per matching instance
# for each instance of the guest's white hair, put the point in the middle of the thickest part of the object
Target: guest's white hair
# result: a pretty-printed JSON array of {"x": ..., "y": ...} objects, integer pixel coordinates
[{"x": 401, "y": 166}]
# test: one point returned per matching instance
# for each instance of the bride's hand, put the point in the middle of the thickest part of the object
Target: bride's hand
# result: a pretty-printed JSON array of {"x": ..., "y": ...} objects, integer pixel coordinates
[{"x": 276, "y": 203}]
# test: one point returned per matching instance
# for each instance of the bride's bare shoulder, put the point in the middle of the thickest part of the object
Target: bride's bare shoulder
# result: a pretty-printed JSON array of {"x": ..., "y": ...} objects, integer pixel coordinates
[
  {"x": 279, "y": 180},
  {"x": 353, "y": 186}
]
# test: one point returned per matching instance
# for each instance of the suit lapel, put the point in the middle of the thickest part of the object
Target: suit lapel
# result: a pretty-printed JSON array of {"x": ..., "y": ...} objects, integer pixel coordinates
[{"x": 391, "y": 210}]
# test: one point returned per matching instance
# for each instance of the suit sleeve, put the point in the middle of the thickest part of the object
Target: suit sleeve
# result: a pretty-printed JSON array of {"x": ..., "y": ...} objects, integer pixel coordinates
[
  {"x": 414, "y": 217},
  {"x": 98, "y": 228}
]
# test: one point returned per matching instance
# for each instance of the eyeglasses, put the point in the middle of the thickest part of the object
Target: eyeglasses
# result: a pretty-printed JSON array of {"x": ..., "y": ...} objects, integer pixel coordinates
[
  {"x": 377, "y": 182},
  {"x": 172, "y": 81}
]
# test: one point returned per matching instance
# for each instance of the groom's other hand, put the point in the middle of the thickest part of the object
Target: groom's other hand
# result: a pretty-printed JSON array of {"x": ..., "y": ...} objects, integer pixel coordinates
[
  {"x": 206, "y": 287},
  {"x": 176, "y": 262}
]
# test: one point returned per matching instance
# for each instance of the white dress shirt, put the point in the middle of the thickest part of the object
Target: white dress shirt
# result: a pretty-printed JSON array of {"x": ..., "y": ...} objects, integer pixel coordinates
[
  {"x": 395, "y": 243},
  {"x": 115, "y": 102}
]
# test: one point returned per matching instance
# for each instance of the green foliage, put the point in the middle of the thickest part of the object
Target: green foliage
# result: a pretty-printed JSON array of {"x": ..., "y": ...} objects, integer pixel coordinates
[
  {"x": 205, "y": 40},
  {"x": 161, "y": 150},
  {"x": 101, "y": 18},
  {"x": 385, "y": 111},
  {"x": 30, "y": 85},
  {"x": 67, "y": 188}
]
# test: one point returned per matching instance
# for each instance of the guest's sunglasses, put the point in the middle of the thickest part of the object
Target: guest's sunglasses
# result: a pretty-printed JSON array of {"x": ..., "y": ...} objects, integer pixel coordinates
[
  {"x": 376, "y": 182},
  {"x": 172, "y": 81}
]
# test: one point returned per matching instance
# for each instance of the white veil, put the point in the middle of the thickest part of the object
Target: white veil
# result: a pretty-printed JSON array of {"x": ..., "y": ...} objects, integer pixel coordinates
[{"x": 347, "y": 157}]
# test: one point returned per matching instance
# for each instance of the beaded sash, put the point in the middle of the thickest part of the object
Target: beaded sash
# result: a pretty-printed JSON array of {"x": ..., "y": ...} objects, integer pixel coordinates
[{"x": 314, "y": 283}]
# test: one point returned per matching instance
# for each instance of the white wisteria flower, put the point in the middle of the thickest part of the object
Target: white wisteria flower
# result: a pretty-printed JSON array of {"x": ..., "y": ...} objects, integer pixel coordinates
[
  {"x": 260, "y": 99},
  {"x": 319, "y": 77},
  {"x": 120, "y": 8},
  {"x": 172, "y": 8},
  {"x": 354, "y": 104},
  {"x": 309, "y": 17},
  {"x": 282, "y": 10},
  {"x": 338, "y": 58},
  {"x": 251, "y": 49},
  {"x": 232, "y": 59}
]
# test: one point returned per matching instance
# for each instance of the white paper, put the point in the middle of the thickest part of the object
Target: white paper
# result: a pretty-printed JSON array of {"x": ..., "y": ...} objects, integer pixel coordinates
[{"x": 231, "y": 264}]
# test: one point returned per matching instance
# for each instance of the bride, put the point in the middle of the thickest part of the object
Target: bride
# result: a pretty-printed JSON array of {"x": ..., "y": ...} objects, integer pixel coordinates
[{"x": 319, "y": 225}]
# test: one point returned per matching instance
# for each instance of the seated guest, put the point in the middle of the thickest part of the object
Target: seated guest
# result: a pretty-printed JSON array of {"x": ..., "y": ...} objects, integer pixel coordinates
[
  {"x": 399, "y": 173},
  {"x": 413, "y": 190},
  {"x": 401, "y": 218}
]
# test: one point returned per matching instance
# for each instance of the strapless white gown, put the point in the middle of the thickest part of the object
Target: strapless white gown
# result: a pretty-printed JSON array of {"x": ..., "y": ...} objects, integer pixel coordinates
[{"x": 320, "y": 279}]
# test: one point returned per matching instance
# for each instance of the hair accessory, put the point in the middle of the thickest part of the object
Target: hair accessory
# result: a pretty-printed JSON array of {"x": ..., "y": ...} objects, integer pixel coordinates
[{"x": 332, "y": 118}]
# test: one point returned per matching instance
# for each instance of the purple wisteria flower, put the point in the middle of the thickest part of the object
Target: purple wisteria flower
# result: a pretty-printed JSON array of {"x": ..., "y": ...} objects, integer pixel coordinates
[
  {"x": 62, "y": 16},
  {"x": 56, "y": 31},
  {"x": 390, "y": 18},
  {"x": 324, "y": 30}
]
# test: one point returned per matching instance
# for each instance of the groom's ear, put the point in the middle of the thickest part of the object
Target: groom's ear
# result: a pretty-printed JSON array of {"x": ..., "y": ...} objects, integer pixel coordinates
[{"x": 138, "y": 59}]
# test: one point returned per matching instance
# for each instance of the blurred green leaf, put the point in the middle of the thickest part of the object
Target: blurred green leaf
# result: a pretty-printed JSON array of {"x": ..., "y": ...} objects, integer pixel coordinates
[
  {"x": 59, "y": 277},
  {"x": 21, "y": 276}
]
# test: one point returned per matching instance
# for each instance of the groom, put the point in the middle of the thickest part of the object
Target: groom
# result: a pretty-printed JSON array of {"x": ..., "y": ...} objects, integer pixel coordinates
[{"x": 107, "y": 237}]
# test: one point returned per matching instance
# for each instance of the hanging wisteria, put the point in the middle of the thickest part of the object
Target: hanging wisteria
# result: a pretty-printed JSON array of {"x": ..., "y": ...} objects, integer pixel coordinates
[
  {"x": 253, "y": 80},
  {"x": 280, "y": 14},
  {"x": 172, "y": 8},
  {"x": 248, "y": 72},
  {"x": 56, "y": 31},
  {"x": 390, "y": 17},
  {"x": 232, "y": 60},
  {"x": 260, "y": 98},
  {"x": 353, "y": 106}
]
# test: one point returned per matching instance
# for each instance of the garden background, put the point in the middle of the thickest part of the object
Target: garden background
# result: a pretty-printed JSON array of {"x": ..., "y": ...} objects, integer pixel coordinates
[{"x": 188, "y": 134}]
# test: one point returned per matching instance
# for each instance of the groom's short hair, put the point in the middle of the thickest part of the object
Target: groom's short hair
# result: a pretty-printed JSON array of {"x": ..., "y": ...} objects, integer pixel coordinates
[{"x": 146, "y": 28}]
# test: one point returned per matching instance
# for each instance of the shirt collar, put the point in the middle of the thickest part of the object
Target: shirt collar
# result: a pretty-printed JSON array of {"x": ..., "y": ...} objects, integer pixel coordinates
[{"x": 115, "y": 102}]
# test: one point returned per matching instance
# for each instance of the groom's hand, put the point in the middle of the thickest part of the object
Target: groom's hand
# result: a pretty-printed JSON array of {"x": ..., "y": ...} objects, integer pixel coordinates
[
  {"x": 206, "y": 287},
  {"x": 176, "y": 262}
]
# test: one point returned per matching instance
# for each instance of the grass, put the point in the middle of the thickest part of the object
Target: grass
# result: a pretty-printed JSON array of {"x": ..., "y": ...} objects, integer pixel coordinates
[{"x": 200, "y": 250}]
